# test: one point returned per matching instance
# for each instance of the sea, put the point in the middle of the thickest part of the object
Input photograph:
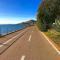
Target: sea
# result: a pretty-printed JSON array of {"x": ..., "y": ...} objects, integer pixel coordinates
[{"x": 9, "y": 28}]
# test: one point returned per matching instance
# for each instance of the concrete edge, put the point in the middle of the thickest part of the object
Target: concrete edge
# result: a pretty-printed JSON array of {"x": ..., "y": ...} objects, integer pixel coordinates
[{"x": 51, "y": 43}]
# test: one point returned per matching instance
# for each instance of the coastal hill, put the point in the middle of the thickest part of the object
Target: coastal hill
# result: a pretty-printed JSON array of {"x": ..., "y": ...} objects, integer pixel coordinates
[{"x": 28, "y": 23}]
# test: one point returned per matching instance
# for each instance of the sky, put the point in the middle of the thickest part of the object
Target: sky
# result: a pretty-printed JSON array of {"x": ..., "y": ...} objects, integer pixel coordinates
[{"x": 15, "y": 11}]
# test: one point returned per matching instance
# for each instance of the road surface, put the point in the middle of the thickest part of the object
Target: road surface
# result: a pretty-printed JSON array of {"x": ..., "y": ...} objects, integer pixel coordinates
[{"x": 30, "y": 46}]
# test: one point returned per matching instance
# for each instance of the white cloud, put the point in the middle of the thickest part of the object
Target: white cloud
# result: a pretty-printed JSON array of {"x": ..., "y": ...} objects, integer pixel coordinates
[{"x": 12, "y": 20}]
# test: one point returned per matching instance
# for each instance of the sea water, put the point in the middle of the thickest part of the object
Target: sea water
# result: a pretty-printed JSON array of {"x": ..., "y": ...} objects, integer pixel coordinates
[{"x": 8, "y": 28}]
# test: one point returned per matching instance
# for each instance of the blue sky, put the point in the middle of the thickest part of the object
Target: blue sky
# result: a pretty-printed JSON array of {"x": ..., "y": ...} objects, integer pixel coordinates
[{"x": 15, "y": 11}]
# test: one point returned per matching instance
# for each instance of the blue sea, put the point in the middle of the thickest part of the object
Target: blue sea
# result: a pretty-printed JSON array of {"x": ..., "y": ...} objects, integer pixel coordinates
[{"x": 8, "y": 28}]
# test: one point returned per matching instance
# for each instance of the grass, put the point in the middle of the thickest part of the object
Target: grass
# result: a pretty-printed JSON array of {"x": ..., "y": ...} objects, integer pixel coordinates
[{"x": 54, "y": 35}]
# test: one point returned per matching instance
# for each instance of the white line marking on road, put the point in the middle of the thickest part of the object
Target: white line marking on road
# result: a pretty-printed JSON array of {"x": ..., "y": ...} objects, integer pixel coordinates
[
  {"x": 29, "y": 38},
  {"x": 50, "y": 43},
  {"x": 1, "y": 45},
  {"x": 32, "y": 31},
  {"x": 23, "y": 57},
  {"x": 11, "y": 39}
]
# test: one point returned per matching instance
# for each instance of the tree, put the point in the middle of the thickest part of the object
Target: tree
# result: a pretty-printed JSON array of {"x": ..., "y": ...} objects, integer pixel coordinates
[
  {"x": 47, "y": 13},
  {"x": 42, "y": 17}
]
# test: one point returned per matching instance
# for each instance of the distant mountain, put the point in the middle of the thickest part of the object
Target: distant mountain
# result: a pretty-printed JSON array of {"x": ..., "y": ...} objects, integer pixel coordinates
[{"x": 28, "y": 23}]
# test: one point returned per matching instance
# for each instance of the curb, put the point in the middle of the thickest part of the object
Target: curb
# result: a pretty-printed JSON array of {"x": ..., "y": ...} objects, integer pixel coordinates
[{"x": 51, "y": 43}]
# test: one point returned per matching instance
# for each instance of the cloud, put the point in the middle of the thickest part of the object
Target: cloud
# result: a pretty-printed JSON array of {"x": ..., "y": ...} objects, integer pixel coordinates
[{"x": 13, "y": 20}]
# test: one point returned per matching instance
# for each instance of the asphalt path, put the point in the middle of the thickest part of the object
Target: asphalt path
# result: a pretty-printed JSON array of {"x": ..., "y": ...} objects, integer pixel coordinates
[{"x": 32, "y": 45}]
